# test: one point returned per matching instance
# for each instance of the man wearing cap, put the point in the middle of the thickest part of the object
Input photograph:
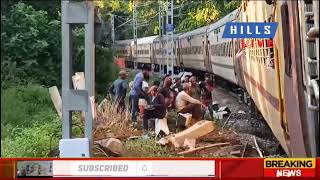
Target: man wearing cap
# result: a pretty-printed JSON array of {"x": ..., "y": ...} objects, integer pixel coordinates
[{"x": 119, "y": 90}]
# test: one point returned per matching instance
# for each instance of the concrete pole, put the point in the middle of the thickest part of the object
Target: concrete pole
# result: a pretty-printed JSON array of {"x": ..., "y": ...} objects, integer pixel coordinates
[{"x": 134, "y": 23}]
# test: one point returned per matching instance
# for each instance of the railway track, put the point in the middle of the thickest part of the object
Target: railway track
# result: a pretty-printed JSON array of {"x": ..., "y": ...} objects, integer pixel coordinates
[{"x": 245, "y": 125}]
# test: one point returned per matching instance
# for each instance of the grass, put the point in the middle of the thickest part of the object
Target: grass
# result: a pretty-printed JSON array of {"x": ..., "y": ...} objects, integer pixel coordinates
[
  {"x": 108, "y": 121},
  {"x": 30, "y": 127},
  {"x": 147, "y": 148}
]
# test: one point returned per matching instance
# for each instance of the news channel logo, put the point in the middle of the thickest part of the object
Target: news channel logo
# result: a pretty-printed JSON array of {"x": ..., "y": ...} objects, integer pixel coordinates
[{"x": 250, "y": 30}]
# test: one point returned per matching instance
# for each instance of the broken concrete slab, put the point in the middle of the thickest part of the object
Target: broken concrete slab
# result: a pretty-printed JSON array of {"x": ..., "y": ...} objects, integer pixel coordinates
[
  {"x": 197, "y": 130},
  {"x": 56, "y": 99},
  {"x": 112, "y": 146},
  {"x": 190, "y": 143}
]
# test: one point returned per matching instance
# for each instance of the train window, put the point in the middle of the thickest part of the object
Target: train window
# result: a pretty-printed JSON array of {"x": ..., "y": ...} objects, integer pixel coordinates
[
  {"x": 230, "y": 47},
  {"x": 228, "y": 50},
  {"x": 217, "y": 49},
  {"x": 286, "y": 38},
  {"x": 223, "y": 49}
]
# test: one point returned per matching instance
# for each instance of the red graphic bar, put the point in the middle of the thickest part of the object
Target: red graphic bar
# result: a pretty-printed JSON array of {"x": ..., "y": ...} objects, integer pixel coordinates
[{"x": 225, "y": 168}]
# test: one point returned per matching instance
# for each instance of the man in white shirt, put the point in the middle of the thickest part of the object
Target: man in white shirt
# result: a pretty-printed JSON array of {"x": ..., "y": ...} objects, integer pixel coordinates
[{"x": 186, "y": 104}]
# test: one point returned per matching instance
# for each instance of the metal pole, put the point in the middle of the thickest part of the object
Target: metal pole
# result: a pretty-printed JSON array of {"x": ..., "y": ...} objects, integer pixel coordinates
[
  {"x": 134, "y": 22},
  {"x": 172, "y": 40},
  {"x": 160, "y": 38},
  {"x": 89, "y": 54},
  {"x": 169, "y": 36},
  {"x": 112, "y": 31}
]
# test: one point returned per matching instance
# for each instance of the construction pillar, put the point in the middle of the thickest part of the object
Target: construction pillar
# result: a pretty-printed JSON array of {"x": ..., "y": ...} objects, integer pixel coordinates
[{"x": 77, "y": 12}]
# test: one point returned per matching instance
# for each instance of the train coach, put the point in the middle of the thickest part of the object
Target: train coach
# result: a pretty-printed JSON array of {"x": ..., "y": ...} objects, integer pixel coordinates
[
  {"x": 222, "y": 50},
  {"x": 124, "y": 51},
  {"x": 282, "y": 80},
  {"x": 160, "y": 44},
  {"x": 193, "y": 53}
]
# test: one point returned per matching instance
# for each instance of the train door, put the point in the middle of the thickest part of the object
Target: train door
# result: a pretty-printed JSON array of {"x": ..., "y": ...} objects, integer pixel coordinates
[
  {"x": 207, "y": 63},
  {"x": 293, "y": 92},
  {"x": 237, "y": 62}
]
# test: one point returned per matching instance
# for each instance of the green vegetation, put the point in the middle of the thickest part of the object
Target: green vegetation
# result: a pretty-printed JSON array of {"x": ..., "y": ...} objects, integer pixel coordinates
[
  {"x": 30, "y": 63},
  {"x": 188, "y": 14},
  {"x": 29, "y": 123},
  {"x": 147, "y": 148}
]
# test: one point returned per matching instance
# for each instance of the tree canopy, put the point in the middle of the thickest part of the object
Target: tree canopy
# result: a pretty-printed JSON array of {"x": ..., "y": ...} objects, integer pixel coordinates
[{"x": 188, "y": 14}]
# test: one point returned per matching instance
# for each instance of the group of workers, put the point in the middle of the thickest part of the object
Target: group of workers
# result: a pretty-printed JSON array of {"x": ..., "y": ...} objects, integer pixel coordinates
[{"x": 186, "y": 95}]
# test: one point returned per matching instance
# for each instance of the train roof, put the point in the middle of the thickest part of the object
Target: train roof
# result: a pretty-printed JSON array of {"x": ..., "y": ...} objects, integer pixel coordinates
[
  {"x": 126, "y": 41},
  {"x": 230, "y": 17},
  {"x": 194, "y": 32},
  {"x": 146, "y": 40},
  {"x": 175, "y": 37}
]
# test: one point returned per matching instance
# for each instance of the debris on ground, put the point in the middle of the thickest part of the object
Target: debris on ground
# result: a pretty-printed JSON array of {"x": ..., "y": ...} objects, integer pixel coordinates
[
  {"x": 197, "y": 130},
  {"x": 192, "y": 150},
  {"x": 111, "y": 146}
]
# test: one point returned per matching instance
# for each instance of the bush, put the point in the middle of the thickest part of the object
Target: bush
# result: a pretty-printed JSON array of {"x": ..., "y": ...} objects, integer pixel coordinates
[
  {"x": 31, "y": 41},
  {"x": 25, "y": 105},
  {"x": 28, "y": 121},
  {"x": 106, "y": 69}
]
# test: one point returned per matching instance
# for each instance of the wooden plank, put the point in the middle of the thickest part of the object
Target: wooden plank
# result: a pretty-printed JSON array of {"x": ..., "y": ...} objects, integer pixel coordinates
[
  {"x": 56, "y": 99},
  {"x": 257, "y": 147},
  {"x": 202, "y": 148},
  {"x": 197, "y": 130}
]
